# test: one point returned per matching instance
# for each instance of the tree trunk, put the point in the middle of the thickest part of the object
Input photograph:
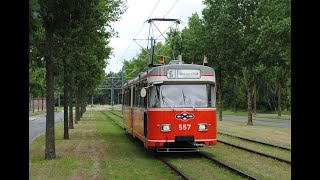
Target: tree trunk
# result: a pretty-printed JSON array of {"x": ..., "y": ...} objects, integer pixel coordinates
[
  {"x": 269, "y": 103},
  {"x": 38, "y": 103},
  {"x": 70, "y": 110},
  {"x": 255, "y": 99},
  {"x": 50, "y": 141},
  {"x": 250, "y": 88},
  {"x": 81, "y": 103},
  {"x": 279, "y": 99},
  {"x": 32, "y": 104},
  {"x": 65, "y": 98},
  {"x": 220, "y": 94},
  {"x": 42, "y": 102},
  {"x": 235, "y": 96},
  {"x": 83, "y": 106},
  {"x": 82, "y": 110},
  {"x": 77, "y": 106}
]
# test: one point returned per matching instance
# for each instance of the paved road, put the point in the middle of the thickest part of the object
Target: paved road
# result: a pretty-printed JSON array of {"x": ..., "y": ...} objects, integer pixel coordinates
[
  {"x": 37, "y": 124},
  {"x": 286, "y": 124}
]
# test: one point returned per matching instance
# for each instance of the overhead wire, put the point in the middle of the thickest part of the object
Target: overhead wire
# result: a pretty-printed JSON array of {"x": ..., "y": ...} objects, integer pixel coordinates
[
  {"x": 171, "y": 8},
  {"x": 139, "y": 30},
  {"x": 144, "y": 24},
  {"x": 168, "y": 11}
]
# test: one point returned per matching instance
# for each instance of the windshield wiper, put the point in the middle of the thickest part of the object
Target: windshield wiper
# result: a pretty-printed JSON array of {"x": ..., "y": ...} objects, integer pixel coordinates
[
  {"x": 184, "y": 97},
  {"x": 164, "y": 100}
]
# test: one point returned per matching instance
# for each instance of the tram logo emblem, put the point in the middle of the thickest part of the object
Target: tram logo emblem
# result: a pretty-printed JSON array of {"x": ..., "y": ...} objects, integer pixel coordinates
[{"x": 184, "y": 116}]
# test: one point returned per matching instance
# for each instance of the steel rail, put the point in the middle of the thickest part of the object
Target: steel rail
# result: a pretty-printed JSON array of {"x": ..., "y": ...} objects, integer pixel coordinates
[
  {"x": 114, "y": 121},
  {"x": 202, "y": 154},
  {"x": 267, "y": 144},
  {"x": 172, "y": 167},
  {"x": 259, "y": 153},
  {"x": 233, "y": 170}
]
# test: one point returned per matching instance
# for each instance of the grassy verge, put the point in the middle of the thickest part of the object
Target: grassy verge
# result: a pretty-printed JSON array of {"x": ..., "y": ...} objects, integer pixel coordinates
[
  {"x": 238, "y": 113},
  {"x": 36, "y": 113},
  {"x": 115, "y": 118},
  {"x": 280, "y": 153},
  {"x": 97, "y": 149},
  {"x": 199, "y": 168},
  {"x": 255, "y": 165},
  {"x": 268, "y": 134},
  {"x": 261, "y": 167},
  {"x": 258, "y": 166},
  {"x": 260, "y": 116}
]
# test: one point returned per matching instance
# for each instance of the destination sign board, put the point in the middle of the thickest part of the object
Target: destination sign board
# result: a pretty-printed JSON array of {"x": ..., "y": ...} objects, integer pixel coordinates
[{"x": 183, "y": 73}]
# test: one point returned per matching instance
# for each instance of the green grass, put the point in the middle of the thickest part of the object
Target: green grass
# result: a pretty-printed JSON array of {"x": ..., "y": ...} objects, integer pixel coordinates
[
  {"x": 276, "y": 152},
  {"x": 116, "y": 118},
  {"x": 199, "y": 168},
  {"x": 250, "y": 163},
  {"x": 238, "y": 113},
  {"x": 268, "y": 134},
  {"x": 97, "y": 149},
  {"x": 36, "y": 113},
  {"x": 255, "y": 165},
  {"x": 265, "y": 116}
]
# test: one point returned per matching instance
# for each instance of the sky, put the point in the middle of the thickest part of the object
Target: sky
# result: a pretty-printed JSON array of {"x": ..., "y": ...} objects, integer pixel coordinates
[{"x": 132, "y": 25}]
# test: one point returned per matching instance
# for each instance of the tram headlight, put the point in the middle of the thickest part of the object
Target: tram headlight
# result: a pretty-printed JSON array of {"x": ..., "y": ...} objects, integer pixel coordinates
[
  {"x": 202, "y": 127},
  {"x": 165, "y": 127}
]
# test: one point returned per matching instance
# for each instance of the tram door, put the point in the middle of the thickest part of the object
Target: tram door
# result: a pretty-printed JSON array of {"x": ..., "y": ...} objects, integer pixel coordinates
[
  {"x": 144, "y": 103},
  {"x": 131, "y": 110}
]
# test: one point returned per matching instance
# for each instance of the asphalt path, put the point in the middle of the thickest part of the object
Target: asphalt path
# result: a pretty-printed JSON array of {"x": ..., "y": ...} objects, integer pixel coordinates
[
  {"x": 37, "y": 125},
  {"x": 284, "y": 124}
]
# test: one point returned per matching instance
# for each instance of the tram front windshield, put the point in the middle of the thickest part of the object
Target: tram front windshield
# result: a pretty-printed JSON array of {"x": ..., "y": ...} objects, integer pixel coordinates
[{"x": 182, "y": 96}]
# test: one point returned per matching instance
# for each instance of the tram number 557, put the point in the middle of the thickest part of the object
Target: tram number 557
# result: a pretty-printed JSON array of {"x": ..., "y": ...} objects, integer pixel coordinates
[{"x": 184, "y": 127}]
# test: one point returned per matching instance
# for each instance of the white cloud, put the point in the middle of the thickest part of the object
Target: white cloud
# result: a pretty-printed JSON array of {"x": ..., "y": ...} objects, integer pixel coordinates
[{"x": 133, "y": 20}]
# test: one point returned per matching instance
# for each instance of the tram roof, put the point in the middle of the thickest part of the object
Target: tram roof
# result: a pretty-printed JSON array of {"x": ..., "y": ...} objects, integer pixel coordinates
[{"x": 162, "y": 71}]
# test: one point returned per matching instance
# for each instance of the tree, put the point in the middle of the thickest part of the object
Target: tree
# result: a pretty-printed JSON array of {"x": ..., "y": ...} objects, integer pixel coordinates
[
  {"x": 275, "y": 39},
  {"x": 48, "y": 8},
  {"x": 87, "y": 37},
  {"x": 222, "y": 41},
  {"x": 193, "y": 41}
]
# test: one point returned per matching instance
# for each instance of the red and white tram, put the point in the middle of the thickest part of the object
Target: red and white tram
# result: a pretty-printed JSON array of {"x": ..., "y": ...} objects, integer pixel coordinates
[{"x": 172, "y": 107}]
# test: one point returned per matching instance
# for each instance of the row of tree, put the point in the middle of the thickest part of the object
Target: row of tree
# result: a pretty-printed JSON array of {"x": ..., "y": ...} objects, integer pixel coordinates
[
  {"x": 69, "y": 48},
  {"x": 247, "y": 42}
]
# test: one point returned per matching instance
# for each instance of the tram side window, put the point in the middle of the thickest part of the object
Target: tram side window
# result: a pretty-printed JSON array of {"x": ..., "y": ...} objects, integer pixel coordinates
[
  {"x": 144, "y": 99},
  {"x": 154, "y": 97},
  {"x": 126, "y": 96},
  {"x": 211, "y": 96},
  {"x": 133, "y": 96},
  {"x": 137, "y": 95}
]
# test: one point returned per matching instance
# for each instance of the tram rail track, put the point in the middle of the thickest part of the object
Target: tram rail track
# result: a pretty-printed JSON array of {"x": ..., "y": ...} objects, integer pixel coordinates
[
  {"x": 221, "y": 164},
  {"x": 254, "y": 141},
  {"x": 116, "y": 114},
  {"x": 157, "y": 156},
  {"x": 246, "y": 149},
  {"x": 201, "y": 154},
  {"x": 256, "y": 152},
  {"x": 172, "y": 167}
]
